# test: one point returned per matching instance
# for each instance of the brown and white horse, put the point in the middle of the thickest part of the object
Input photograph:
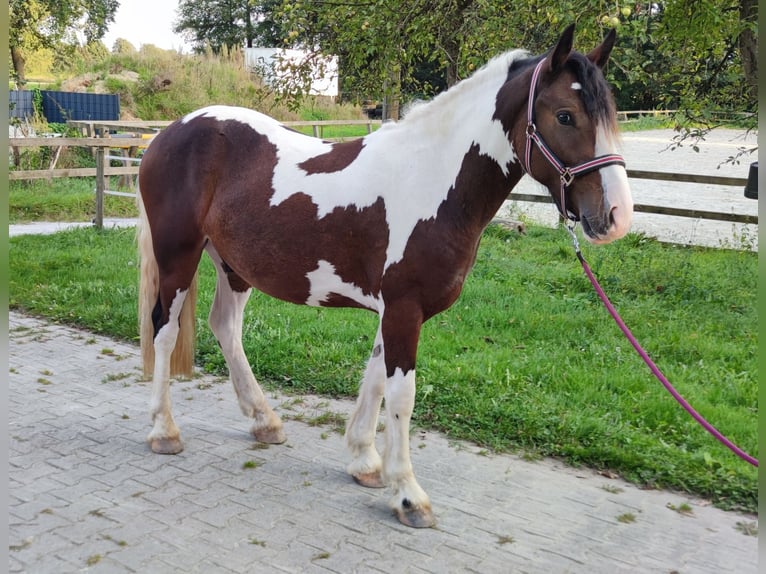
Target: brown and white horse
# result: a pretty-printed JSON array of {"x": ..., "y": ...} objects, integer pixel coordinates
[{"x": 389, "y": 223}]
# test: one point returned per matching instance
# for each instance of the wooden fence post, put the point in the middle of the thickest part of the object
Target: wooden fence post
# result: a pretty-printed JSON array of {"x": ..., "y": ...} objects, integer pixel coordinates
[{"x": 100, "y": 186}]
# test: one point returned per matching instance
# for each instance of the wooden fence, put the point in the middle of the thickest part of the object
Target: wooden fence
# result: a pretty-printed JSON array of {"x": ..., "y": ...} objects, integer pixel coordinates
[{"x": 103, "y": 169}]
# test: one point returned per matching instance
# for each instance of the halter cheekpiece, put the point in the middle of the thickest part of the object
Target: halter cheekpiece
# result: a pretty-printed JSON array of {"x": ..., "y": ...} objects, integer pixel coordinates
[{"x": 566, "y": 174}]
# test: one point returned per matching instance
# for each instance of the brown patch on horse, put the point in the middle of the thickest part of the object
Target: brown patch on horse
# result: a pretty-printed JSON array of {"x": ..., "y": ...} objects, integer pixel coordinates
[
  {"x": 446, "y": 246},
  {"x": 337, "y": 159},
  {"x": 282, "y": 243}
]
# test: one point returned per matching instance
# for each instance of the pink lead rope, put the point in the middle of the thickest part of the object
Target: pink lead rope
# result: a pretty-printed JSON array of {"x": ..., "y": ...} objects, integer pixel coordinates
[
  {"x": 567, "y": 175},
  {"x": 657, "y": 373}
]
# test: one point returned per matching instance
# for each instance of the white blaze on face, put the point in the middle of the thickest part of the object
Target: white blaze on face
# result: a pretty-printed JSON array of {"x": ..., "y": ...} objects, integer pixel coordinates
[
  {"x": 576, "y": 86},
  {"x": 614, "y": 180}
]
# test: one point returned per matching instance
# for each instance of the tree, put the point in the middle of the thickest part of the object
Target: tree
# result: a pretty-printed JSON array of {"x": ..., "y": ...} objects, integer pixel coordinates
[
  {"x": 379, "y": 43},
  {"x": 748, "y": 44},
  {"x": 123, "y": 46},
  {"x": 37, "y": 24},
  {"x": 693, "y": 54},
  {"x": 226, "y": 24}
]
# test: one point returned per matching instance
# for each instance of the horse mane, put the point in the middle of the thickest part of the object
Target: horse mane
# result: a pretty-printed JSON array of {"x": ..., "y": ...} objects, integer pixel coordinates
[
  {"x": 596, "y": 93},
  {"x": 494, "y": 71}
]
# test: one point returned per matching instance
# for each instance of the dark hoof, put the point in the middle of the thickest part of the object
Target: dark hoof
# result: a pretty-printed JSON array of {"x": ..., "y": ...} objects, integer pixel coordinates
[
  {"x": 166, "y": 445},
  {"x": 270, "y": 435},
  {"x": 369, "y": 480},
  {"x": 415, "y": 517}
]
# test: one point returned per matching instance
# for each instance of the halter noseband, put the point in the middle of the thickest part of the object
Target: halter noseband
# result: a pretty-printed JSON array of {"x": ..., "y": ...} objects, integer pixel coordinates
[{"x": 566, "y": 174}]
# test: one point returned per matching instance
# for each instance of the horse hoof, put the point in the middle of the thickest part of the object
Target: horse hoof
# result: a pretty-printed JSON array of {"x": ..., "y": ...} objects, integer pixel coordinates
[
  {"x": 166, "y": 445},
  {"x": 415, "y": 517},
  {"x": 369, "y": 479},
  {"x": 270, "y": 435}
]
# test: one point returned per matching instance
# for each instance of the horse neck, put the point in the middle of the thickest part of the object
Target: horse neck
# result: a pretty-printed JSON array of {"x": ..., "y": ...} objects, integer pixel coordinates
[{"x": 455, "y": 136}]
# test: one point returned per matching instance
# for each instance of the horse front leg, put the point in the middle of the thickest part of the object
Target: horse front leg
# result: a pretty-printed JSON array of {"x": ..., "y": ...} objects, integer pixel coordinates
[
  {"x": 401, "y": 331},
  {"x": 366, "y": 464}
]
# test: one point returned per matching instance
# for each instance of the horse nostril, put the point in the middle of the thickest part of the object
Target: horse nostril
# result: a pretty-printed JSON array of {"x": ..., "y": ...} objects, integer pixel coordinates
[{"x": 611, "y": 216}]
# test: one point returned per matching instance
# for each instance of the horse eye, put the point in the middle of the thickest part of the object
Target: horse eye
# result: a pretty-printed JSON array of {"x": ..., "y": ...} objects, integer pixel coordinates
[{"x": 564, "y": 118}]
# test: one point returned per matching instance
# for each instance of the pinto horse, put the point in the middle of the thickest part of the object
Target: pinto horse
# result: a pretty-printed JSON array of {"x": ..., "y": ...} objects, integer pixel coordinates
[{"x": 390, "y": 223}]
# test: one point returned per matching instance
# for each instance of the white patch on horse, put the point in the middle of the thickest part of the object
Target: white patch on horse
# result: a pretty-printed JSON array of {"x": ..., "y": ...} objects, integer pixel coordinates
[
  {"x": 164, "y": 342},
  {"x": 165, "y": 339},
  {"x": 324, "y": 281},
  {"x": 576, "y": 86},
  {"x": 614, "y": 180},
  {"x": 411, "y": 164},
  {"x": 397, "y": 465}
]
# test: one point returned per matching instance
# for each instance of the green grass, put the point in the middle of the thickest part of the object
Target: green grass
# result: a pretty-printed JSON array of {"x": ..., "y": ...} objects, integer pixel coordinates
[
  {"x": 647, "y": 122},
  {"x": 526, "y": 360},
  {"x": 63, "y": 199},
  {"x": 338, "y": 132}
]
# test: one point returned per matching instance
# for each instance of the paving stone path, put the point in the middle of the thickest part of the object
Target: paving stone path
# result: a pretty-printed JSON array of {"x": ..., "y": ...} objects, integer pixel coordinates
[{"x": 86, "y": 494}]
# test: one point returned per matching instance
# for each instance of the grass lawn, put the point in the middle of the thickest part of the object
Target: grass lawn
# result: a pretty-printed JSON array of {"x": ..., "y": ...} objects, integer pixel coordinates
[
  {"x": 338, "y": 132},
  {"x": 527, "y": 360},
  {"x": 63, "y": 199}
]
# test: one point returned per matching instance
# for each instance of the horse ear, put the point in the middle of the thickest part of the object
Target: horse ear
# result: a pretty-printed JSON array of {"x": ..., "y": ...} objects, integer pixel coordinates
[
  {"x": 561, "y": 52},
  {"x": 600, "y": 54}
]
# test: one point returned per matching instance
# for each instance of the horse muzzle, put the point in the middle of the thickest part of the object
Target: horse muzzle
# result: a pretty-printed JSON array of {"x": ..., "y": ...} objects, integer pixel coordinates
[{"x": 612, "y": 219}]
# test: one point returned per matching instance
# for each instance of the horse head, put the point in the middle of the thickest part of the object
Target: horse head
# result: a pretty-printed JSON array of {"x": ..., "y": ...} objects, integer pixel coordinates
[{"x": 570, "y": 138}]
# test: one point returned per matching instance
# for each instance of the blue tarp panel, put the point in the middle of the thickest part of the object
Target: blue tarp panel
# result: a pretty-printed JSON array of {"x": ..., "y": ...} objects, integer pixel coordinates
[
  {"x": 62, "y": 106},
  {"x": 20, "y": 104}
]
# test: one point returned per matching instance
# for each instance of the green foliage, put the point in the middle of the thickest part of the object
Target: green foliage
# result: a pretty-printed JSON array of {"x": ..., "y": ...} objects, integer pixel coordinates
[
  {"x": 682, "y": 55},
  {"x": 124, "y": 47},
  {"x": 227, "y": 25},
  {"x": 52, "y": 23},
  {"x": 156, "y": 84},
  {"x": 527, "y": 359},
  {"x": 37, "y": 102}
]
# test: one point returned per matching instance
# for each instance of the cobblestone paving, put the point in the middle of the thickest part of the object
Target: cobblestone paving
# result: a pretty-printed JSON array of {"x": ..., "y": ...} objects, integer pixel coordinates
[{"x": 86, "y": 494}]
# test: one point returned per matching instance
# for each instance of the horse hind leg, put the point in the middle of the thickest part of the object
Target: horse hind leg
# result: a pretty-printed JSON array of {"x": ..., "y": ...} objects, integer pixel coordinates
[
  {"x": 226, "y": 315},
  {"x": 174, "y": 294}
]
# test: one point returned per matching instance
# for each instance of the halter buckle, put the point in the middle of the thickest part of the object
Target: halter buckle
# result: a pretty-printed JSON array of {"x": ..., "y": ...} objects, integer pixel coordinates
[
  {"x": 531, "y": 129},
  {"x": 567, "y": 177}
]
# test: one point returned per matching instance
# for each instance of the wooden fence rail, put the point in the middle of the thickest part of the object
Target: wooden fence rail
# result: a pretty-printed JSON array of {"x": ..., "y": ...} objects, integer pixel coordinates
[{"x": 103, "y": 168}]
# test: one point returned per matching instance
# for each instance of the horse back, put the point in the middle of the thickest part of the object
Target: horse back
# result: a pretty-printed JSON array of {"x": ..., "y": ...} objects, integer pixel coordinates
[{"x": 236, "y": 178}]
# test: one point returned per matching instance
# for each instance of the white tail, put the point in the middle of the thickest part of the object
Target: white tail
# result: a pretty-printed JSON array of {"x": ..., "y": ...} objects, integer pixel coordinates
[{"x": 182, "y": 359}]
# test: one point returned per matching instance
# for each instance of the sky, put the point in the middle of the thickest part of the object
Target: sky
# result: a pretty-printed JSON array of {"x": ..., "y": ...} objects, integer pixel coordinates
[{"x": 146, "y": 22}]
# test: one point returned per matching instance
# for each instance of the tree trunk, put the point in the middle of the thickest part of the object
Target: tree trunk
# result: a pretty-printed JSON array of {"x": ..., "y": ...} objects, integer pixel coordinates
[
  {"x": 748, "y": 46},
  {"x": 18, "y": 67},
  {"x": 452, "y": 37},
  {"x": 392, "y": 95},
  {"x": 248, "y": 27},
  {"x": 452, "y": 50}
]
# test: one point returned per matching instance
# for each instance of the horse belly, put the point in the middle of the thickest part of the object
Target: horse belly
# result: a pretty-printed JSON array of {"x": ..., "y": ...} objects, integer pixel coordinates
[{"x": 287, "y": 252}]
